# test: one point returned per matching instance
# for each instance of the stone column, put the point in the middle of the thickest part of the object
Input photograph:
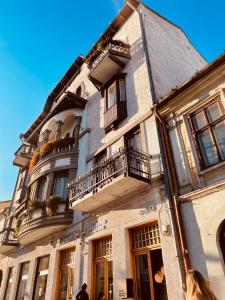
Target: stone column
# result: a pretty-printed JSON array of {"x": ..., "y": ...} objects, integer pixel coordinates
[
  {"x": 77, "y": 131},
  {"x": 45, "y": 136},
  {"x": 49, "y": 185},
  {"x": 58, "y": 129}
]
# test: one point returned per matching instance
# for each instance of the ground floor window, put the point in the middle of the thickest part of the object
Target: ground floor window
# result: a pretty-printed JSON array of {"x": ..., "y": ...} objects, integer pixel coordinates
[
  {"x": 41, "y": 278},
  {"x": 8, "y": 284},
  {"x": 22, "y": 283},
  {"x": 65, "y": 286},
  {"x": 149, "y": 276},
  {"x": 103, "y": 268}
]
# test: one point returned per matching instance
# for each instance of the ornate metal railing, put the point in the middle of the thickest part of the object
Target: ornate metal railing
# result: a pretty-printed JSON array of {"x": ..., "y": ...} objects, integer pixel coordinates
[
  {"x": 127, "y": 162},
  {"x": 25, "y": 149},
  {"x": 122, "y": 50},
  {"x": 7, "y": 237}
]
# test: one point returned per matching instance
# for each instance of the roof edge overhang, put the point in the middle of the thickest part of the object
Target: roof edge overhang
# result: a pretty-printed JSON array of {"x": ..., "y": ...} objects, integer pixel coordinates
[{"x": 73, "y": 71}]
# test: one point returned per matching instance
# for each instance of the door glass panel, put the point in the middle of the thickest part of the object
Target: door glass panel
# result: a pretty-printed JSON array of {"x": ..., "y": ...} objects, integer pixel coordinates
[
  {"x": 110, "y": 280},
  {"x": 208, "y": 148},
  {"x": 66, "y": 276},
  {"x": 22, "y": 281},
  {"x": 219, "y": 131},
  {"x": 142, "y": 277},
  {"x": 99, "y": 278},
  {"x": 41, "y": 278}
]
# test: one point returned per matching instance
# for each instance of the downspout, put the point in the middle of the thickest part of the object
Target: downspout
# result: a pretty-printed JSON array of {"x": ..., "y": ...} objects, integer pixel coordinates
[{"x": 169, "y": 191}]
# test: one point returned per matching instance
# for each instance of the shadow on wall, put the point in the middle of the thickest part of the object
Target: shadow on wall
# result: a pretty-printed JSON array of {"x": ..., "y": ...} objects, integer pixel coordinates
[{"x": 194, "y": 239}]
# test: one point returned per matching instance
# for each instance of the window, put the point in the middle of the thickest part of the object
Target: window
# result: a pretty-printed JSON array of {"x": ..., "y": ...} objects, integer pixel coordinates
[
  {"x": 9, "y": 284},
  {"x": 115, "y": 92},
  {"x": 41, "y": 278},
  {"x": 41, "y": 189},
  {"x": 60, "y": 186},
  {"x": 133, "y": 139},
  {"x": 103, "y": 268},
  {"x": 21, "y": 289},
  {"x": 208, "y": 131}
]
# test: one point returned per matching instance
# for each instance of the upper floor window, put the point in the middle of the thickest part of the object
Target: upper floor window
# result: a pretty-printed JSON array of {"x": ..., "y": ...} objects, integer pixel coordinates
[
  {"x": 115, "y": 101},
  {"x": 208, "y": 130},
  {"x": 42, "y": 184},
  {"x": 133, "y": 139},
  {"x": 115, "y": 92},
  {"x": 60, "y": 186}
]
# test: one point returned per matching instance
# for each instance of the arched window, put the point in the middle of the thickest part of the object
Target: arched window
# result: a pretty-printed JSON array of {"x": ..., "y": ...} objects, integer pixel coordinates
[{"x": 222, "y": 239}]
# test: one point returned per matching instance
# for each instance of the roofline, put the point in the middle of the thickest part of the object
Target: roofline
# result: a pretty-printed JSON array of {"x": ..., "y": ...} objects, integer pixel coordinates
[
  {"x": 73, "y": 71},
  {"x": 192, "y": 80},
  {"x": 173, "y": 24}
]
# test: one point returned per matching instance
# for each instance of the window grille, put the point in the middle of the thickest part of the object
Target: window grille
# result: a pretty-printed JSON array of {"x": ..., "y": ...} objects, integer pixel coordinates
[
  {"x": 103, "y": 247},
  {"x": 146, "y": 236}
]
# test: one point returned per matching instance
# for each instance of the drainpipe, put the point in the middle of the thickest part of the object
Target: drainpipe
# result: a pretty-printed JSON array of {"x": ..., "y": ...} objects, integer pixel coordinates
[{"x": 169, "y": 190}]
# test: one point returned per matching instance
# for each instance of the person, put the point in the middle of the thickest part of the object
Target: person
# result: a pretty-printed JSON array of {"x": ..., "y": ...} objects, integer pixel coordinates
[
  {"x": 82, "y": 295},
  {"x": 101, "y": 296},
  {"x": 160, "y": 279},
  {"x": 197, "y": 288}
]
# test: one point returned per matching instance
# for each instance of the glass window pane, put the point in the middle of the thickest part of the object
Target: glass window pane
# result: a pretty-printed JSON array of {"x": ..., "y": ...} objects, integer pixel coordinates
[
  {"x": 134, "y": 140},
  {"x": 199, "y": 120},
  {"x": 111, "y": 97},
  {"x": 41, "y": 190},
  {"x": 213, "y": 112},
  {"x": 219, "y": 131},
  {"x": 23, "y": 281},
  {"x": 122, "y": 90},
  {"x": 208, "y": 148},
  {"x": 60, "y": 187},
  {"x": 41, "y": 278},
  {"x": 99, "y": 278},
  {"x": 9, "y": 284}
]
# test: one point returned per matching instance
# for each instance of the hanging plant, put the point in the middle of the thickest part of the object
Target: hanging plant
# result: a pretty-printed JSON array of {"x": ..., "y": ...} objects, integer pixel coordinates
[
  {"x": 34, "y": 160},
  {"x": 46, "y": 149},
  {"x": 17, "y": 227},
  {"x": 34, "y": 204},
  {"x": 51, "y": 204}
]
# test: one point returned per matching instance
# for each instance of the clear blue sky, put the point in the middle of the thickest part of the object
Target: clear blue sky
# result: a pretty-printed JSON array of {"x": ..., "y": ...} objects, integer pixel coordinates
[{"x": 40, "y": 39}]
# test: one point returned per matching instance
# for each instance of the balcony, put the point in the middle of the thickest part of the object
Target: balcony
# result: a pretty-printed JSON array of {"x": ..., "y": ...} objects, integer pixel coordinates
[
  {"x": 34, "y": 224},
  {"x": 126, "y": 172},
  {"x": 111, "y": 58},
  {"x": 8, "y": 240},
  {"x": 23, "y": 156},
  {"x": 53, "y": 151}
]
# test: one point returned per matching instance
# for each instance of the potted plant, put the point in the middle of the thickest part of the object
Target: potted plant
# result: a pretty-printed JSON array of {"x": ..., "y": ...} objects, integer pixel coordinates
[
  {"x": 34, "y": 160},
  {"x": 51, "y": 204},
  {"x": 34, "y": 204}
]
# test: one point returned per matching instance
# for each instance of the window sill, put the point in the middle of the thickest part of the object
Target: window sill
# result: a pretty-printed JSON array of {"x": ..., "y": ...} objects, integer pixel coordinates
[{"x": 210, "y": 169}]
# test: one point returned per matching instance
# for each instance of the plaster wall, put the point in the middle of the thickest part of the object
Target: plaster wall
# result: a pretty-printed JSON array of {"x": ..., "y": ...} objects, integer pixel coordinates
[
  {"x": 173, "y": 58},
  {"x": 202, "y": 219}
]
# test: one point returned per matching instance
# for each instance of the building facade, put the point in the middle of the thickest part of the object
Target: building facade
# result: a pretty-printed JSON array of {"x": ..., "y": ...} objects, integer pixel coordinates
[
  {"x": 91, "y": 202},
  {"x": 192, "y": 119}
]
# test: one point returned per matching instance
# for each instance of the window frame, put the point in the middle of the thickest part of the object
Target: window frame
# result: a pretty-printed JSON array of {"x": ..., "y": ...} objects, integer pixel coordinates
[
  {"x": 208, "y": 127},
  {"x": 115, "y": 79},
  {"x": 58, "y": 175},
  {"x": 19, "y": 283},
  {"x": 38, "y": 275}
]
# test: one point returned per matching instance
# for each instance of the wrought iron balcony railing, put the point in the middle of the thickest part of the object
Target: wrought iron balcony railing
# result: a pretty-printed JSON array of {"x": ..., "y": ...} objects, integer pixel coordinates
[
  {"x": 114, "y": 49},
  {"x": 126, "y": 162}
]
